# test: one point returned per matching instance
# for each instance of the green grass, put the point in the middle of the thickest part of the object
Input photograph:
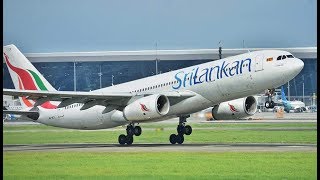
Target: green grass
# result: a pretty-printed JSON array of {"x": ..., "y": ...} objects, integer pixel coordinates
[
  {"x": 159, "y": 133},
  {"x": 162, "y": 136},
  {"x": 159, "y": 165}
]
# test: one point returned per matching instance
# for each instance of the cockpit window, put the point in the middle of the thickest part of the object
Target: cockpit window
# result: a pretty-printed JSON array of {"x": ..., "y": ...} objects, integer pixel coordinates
[
  {"x": 283, "y": 57},
  {"x": 279, "y": 58},
  {"x": 290, "y": 56}
]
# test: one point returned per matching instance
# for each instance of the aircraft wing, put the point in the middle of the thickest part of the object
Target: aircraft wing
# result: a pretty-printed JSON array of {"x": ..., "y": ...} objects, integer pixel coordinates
[{"x": 92, "y": 98}]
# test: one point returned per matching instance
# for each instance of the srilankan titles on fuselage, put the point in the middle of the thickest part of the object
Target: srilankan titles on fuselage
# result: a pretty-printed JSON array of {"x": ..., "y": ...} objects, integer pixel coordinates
[{"x": 199, "y": 75}]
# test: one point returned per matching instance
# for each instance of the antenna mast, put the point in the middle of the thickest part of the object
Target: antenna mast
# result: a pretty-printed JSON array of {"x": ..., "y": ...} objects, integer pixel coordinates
[
  {"x": 243, "y": 45},
  {"x": 220, "y": 50},
  {"x": 156, "y": 58}
]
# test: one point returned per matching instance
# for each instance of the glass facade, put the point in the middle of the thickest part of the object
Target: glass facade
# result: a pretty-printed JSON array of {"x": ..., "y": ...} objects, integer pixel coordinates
[{"x": 61, "y": 74}]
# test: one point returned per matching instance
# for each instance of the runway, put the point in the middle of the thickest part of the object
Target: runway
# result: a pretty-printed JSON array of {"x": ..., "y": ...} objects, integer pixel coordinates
[{"x": 210, "y": 147}]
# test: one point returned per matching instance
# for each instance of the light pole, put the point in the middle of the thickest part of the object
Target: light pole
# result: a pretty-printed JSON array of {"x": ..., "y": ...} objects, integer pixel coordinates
[
  {"x": 100, "y": 74},
  {"x": 156, "y": 58},
  {"x": 74, "y": 76},
  {"x": 303, "y": 88},
  {"x": 220, "y": 50},
  {"x": 288, "y": 90}
]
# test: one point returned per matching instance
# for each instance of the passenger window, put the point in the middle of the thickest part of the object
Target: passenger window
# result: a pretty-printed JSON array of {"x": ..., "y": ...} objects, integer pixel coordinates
[
  {"x": 283, "y": 57},
  {"x": 279, "y": 58}
]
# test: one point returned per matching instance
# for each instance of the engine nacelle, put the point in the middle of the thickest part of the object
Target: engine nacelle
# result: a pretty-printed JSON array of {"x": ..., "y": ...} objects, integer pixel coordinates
[
  {"x": 147, "y": 108},
  {"x": 235, "y": 109}
]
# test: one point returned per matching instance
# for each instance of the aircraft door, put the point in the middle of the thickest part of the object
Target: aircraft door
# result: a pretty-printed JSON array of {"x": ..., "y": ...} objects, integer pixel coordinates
[{"x": 259, "y": 62}]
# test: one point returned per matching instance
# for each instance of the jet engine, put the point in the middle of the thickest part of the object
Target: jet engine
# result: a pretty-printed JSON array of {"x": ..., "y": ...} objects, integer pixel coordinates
[
  {"x": 235, "y": 109},
  {"x": 147, "y": 108}
]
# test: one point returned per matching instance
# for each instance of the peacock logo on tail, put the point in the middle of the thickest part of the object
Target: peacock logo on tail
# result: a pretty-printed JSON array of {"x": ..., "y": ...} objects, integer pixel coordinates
[{"x": 29, "y": 80}]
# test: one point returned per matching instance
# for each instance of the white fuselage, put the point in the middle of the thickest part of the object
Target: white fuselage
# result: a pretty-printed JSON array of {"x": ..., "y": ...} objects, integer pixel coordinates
[{"x": 212, "y": 82}]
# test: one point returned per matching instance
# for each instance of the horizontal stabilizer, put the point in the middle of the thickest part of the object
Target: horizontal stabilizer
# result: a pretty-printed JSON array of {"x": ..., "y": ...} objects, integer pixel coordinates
[{"x": 21, "y": 112}]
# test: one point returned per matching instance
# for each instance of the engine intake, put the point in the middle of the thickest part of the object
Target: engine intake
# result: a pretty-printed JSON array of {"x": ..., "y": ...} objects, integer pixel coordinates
[{"x": 147, "y": 108}]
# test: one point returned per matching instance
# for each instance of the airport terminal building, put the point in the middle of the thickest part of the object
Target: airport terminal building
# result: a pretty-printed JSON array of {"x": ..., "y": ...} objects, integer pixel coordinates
[{"x": 85, "y": 71}]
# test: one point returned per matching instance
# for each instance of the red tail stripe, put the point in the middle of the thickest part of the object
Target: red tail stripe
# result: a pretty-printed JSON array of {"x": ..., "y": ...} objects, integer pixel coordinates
[
  {"x": 28, "y": 84},
  {"x": 27, "y": 80}
]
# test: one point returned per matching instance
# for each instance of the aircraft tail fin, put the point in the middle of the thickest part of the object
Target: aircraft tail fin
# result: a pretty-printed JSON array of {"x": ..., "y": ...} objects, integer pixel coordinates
[{"x": 23, "y": 74}]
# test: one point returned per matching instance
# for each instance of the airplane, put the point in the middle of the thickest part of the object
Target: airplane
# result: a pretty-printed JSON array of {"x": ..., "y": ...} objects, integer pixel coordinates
[
  {"x": 312, "y": 108},
  {"x": 232, "y": 110},
  {"x": 160, "y": 97},
  {"x": 295, "y": 106}
]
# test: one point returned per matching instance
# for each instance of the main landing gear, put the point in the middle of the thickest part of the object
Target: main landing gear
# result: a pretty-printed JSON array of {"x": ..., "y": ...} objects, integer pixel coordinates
[
  {"x": 131, "y": 131},
  {"x": 181, "y": 130}
]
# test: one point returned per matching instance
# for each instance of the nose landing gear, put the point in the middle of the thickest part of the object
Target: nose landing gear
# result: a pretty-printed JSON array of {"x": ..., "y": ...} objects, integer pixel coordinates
[{"x": 269, "y": 103}]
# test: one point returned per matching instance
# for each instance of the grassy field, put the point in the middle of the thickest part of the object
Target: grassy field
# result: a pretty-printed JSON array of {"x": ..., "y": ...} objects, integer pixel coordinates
[
  {"x": 220, "y": 133},
  {"x": 159, "y": 165},
  {"x": 162, "y": 165}
]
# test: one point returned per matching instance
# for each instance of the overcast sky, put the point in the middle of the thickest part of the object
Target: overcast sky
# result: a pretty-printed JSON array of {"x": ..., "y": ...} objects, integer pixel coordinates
[{"x": 92, "y": 25}]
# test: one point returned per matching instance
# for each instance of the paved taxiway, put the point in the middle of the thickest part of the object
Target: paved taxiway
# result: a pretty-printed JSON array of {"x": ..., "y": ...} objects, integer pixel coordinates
[{"x": 210, "y": 147}]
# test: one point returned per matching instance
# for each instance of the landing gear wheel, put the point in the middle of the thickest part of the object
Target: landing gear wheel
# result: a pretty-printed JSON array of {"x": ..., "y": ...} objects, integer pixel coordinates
[
  {"x": 122, "y": 139},
  {"x": 137, "y": 131},
  {"x": 180, "y": 129},
  {"x": 267, "y": 104},
  {"x": 180, "y": 139},
  {"x": 187, "y": 130},
  {"x": 129, "y": 140},
  {"x": 271, "y": 104},
  {"x": 130, "y": 130},
  {"x": 173, "y": 138}
]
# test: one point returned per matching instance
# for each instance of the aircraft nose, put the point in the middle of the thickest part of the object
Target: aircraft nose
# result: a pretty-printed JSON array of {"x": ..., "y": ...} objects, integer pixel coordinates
[
  {"x": 294, "y": 68},
  {"x": 298, "y": 65}
]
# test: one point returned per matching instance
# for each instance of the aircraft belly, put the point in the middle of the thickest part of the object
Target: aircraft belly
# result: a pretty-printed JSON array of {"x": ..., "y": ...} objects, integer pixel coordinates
[
  {"x": 190, "y": 105},
  {"x": 75, "y": 119}
]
